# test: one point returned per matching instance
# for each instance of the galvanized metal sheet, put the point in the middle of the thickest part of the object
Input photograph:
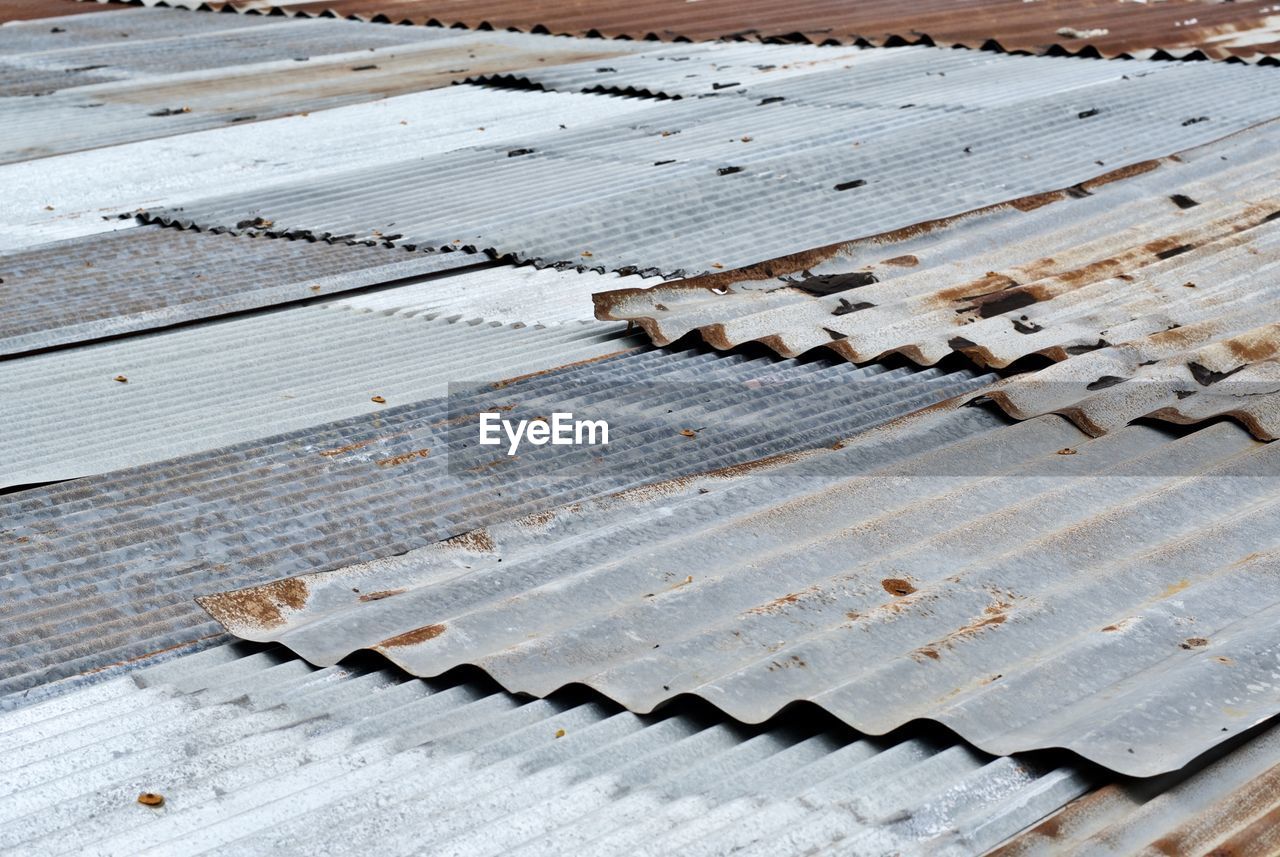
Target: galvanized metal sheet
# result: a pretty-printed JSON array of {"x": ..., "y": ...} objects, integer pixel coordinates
[
  {"x": 103, "y": 569},
  {"x": 1025, "y": 586},
  {"x": 1155, "y": 293},
  {"x": 254, "y": 752},
  {"x": 690, "y": 188},
  {"x": 71, "y": 195},
  {"x": 123, "y": 26},
  {"x": 1175, "y": 27},
  {"x": 139, "y": 279},
  {"x": 148, "y": 398},
  {"x": 224, "y": 92}
]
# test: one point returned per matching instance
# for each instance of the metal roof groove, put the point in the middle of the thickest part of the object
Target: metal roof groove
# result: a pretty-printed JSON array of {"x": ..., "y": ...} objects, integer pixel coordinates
[
  {"x": 255, "y": 752},
  {"x": 944, "y": 567},
  {"x": 1148, "y": 292},
  {"x": 138, "y": 279},
  {"x": 134, "y": 546},
  {"x": 1182, "y": 28},
  {"x": 783, "y": 176}
]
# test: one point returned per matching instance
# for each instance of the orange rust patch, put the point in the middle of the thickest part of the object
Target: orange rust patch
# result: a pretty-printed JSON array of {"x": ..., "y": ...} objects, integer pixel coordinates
[
  {"x": 404, "y": 457},
  {"x": 380, "y": 594},
  {"x": 1194, "y": 643},
  {"x": 1039, "y": 200},
  {"x": 1175, "y": 588},
  {"x": 258, "y": 606},
  {"x": 930, "y": 653},
  {"x": 151, "y": 799},
  {"x": 1066, "y": 450},
  {"x": 776, "y": 605},
  {"x": 898, "y": 587},
  {"x": 1252, "y": 348},
  {"x": 537, "y": 519},
  {"x": 907, "y": 261},
  {"x": 1122, "y": 173},
  {"x": 475, "y": 540},
  {"x": 412, "y": 638},
  {"x": 342, "y": 450}
]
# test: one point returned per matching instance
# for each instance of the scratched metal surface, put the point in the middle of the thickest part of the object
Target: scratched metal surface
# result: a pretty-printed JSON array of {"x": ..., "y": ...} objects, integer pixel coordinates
[
  {"x": 691, "y": 187},
  {"x": 139, "y": 279},
  {"x": 103, "y": 569},
  {"x": 1155, "y": 295},
  {"x": 255, "y": 752},
  {"x": 1024, "y": 585}
]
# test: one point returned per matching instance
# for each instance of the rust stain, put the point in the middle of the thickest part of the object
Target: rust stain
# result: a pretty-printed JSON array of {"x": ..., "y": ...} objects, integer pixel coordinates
[
  {"x": 404, "y": 457},
  {"x": 992, "y": 616},
  {"x": 381, "y": 594},
  {"x": 343, "y": 450},
  {"x": 498, "y": 385},
  {"x": 412, "y": 638},
  {"x": 777, "y": 605},
  {"x": 906, "y": 261},
  {"x": 1194, "y": 643},
  {"x": 898, "y": 587},
  {"x": 1079, "y": 812},
  {"x": 537, "y": 519},
  {"x": 477, "y": 540},
  {"x": 259, "y": 606},
  {"x": 151, "y": 799},
  {"x": 1174, "y": 589}
]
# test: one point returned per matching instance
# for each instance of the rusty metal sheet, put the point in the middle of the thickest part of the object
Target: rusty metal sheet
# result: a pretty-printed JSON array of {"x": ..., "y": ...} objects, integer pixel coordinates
[
  {"x": 1024, "y": 585},
  {"x": 145, "y": 278},
  {"x": 693, "y": 187},
  {"x": 27, "y": 10},
  {"x": 1247, "y": 30},
  {"x": 1156, "y": 295},
  {"x": 254, "y": 752},
  {"x": 103, "y": 569}
]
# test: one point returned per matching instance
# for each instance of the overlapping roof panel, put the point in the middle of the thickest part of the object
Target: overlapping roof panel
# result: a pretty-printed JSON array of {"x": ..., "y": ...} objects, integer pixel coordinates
[
  {"x": 214, "y": 79},
  {"x": 104, "y": 568},
  {"x": 1177, "y": 27},
  {"x": 138, "y": 279},
  {"x": 724, "y": 182},
  {"x": 1023, "y": 585},
  {"x": 1156, "y": 293},
  {"x": 255, "y": 752},
  {"x": 26, "y": 10}
]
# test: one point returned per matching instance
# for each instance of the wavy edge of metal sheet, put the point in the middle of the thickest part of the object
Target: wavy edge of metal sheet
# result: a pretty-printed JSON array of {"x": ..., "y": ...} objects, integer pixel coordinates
[
  {"x": 1148, "y": 290},
  {"x": 731, "y": 575},
  {"x": 1072, "y": 38}
]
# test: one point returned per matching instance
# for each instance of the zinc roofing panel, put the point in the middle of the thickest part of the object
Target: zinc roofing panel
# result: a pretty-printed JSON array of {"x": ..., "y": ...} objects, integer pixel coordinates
[
  {"x": 103, "y": 569},
  {"x": 255, "y": 752},
  {"x": 671, "y": 190},
  {"x": 1025, "y": 586},
  {"x": 139, "y": 279},
  {"x": 1150, "y": 291},
  {"x": 1176, "y": 27}
]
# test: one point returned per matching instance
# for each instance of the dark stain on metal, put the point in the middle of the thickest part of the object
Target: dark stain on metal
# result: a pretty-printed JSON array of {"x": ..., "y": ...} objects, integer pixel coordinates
[
  {"x": 728, "y": 171},
  {"x": 1183, "y": 201},
  {"x": 851, "y": 184}
]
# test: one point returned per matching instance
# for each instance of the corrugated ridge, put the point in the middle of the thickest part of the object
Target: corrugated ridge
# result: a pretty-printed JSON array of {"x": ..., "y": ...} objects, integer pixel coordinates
[
  {"x": 235, "y": 380},
  {"x": 605, "y": 197},
  {"x": 256, "y": 752},
  {"x": 135, "y": 546},
  {"x": 1099, "y": 282},
  {"x": 139, "y": 279},
  {"x": 945, "y": 567},
  {"x": 988, "y": 26}
]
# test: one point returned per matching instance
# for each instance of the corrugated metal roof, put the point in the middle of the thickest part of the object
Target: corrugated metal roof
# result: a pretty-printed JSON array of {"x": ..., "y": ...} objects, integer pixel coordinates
[
  {"x": 729, "y": 181},
  {"x": 139, "y": 279},
  {"x": 1161, "y": 281},
  {"x": 1177, "y": 27},
  {"x": 207, "y": 386},
  {"x": 23, "y": 10},
  {"x": 69, "y": 195},
  {"x": 209, "y": 86},
  {"x": 1025, "y": 586},
  {"x": 1227, "y": 806},
  {"x": 254, "y": 752},
  {"x": 103, "y": 569}
]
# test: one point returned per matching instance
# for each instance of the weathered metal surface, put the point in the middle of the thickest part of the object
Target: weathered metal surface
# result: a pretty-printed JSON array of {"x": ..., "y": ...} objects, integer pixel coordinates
[
  {"x": 26, "y": 10},
  {"x": 139, "y": 279},
  {"x": 69, "y": 195},
  {"x": 690, "y": 188},
  {"x": 203, "y": 82},
  {"x": 254, "y": 752},
  {"x": 1224, "y": 805},
  {"x": 1023, "y": 585},
  {"x": 103, "y": 569},
  {"x": 1156, "y": 293},
  {"x": 1177, "y": 27},
  {"x": 140, "y": 399}
]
